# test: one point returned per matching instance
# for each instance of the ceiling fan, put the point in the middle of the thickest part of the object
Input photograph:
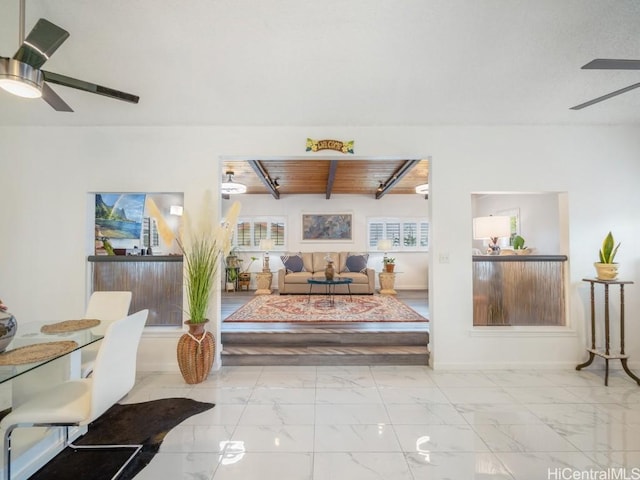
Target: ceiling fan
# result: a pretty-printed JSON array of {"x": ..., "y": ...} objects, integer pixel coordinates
[
  {"x": 609, "y": 64},
  {"x": 22, "y": 76}
]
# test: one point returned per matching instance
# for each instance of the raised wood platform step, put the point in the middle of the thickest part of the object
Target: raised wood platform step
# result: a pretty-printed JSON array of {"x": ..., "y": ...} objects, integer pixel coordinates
[
  {"x": 325, "y": 344},
  {"x": 387, "y": 355}
]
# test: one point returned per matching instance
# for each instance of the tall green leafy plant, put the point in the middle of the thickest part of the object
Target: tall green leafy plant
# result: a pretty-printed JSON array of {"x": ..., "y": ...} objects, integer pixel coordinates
[
  {"x": 202, "y": 248},
  {"x": 608, "y": 251}
]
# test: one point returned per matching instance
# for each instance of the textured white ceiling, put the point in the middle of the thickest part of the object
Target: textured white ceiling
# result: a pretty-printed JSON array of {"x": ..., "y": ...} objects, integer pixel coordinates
[{"x": 334, "y": 62}]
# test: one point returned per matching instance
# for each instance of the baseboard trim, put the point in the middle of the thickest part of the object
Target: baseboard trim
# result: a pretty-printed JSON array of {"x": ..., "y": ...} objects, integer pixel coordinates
[{"x": 560, "y": 365}]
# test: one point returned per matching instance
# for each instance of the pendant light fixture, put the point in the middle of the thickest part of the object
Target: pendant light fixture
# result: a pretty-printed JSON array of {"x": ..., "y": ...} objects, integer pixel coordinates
[
  {"x": 423, "y": 189},
  {"x": 230, "y": 187}
]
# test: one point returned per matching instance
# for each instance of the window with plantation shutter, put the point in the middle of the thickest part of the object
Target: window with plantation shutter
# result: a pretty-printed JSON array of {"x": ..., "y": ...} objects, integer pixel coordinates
[
  {"x": 243, "y": 234},
  {"x": 250, "y": 230},
  {"x": 406, "y": 234},
  {"x": 277, "y": 234}
]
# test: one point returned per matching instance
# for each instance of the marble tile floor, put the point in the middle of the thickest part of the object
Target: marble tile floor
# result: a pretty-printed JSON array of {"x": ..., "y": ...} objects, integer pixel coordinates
[{"x": 399, "y": 423}]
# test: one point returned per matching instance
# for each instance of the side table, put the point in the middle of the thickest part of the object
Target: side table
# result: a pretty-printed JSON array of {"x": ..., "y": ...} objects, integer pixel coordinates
[
  {"x": 606, "y": 354},
  {"x": 387, "y": 283},
  {"x": 243, "y": 282},
  {"x": 263, "y": 280}
]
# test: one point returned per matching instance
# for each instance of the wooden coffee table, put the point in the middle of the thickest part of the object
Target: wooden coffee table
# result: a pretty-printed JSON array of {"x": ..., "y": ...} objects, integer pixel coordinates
[{"x": 330, "y": 287}]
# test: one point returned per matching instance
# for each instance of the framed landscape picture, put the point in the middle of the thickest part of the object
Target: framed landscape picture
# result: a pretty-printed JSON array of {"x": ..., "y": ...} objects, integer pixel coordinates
[
  {"x": 332, "y": 227},
  {"x": 119, "y": 215}
]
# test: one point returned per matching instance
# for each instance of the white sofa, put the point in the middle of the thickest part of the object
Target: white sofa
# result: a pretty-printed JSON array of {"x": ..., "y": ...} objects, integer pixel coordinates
[{"x": 298, "y": 268}]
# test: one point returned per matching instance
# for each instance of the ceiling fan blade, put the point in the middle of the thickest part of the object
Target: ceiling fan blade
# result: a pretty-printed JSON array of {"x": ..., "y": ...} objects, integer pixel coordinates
[
  {"x": 89, "y": 87},
  {"x": 42, "y": 41},
  {"x": 612, "y": 64},
  {"x": 52, "y": 98},
  {"x": 605, "y": 97}
]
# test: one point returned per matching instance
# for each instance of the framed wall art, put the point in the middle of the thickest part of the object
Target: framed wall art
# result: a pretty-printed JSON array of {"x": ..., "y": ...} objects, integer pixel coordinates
[
  {"x": 330, "y": 227},
  {"x": 119, "y": 215}
]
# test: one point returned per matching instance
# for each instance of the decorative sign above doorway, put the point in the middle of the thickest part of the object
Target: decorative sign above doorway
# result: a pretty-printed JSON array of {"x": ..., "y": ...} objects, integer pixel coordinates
[{"x": 337, "y": 145}]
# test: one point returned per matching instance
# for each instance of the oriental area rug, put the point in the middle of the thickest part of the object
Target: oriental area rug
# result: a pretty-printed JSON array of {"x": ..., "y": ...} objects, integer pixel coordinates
[
  {"x": 145, "y": 424},
  {"x": 317, "y": 308}
]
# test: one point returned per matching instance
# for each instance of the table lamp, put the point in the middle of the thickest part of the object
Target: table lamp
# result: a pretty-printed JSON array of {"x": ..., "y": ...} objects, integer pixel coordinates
[
  {"x": 492, "y": 228},
  {"x": 384, "y": 245},
  {"x": 266, "y": 244}
]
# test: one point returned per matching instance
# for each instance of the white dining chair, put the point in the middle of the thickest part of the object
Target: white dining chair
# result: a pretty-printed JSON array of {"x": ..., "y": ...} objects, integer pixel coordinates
[
  {"x": 106, "y": 307},
  {"x": 76, "y": 403}
]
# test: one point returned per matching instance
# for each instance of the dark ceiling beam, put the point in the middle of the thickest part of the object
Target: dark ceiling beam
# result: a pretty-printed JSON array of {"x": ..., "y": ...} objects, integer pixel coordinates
[
  {"x": 395, "y": 178},
  {"x": 264, "y": 177},
  {"x": 333, "y": 167}
]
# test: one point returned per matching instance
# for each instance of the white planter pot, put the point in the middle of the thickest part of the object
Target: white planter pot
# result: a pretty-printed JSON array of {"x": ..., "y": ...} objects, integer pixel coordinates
[{"x": 606, "y": 271}]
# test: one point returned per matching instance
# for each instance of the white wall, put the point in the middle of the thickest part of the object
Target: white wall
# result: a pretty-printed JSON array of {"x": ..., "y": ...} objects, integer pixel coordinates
[
  {"x": 412, "y": 266},
  {"x": 47, "y": 173}
]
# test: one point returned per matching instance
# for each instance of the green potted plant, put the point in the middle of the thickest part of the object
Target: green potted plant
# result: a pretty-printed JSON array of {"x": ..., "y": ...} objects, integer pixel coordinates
[
  {"x": 606, "y": 268},
  {"x": 202, "y": 249},
  {"x": 231, "y": 277},
  {"x": 245, "y": 275},
  {"x": 253, "y": 259},
  {"x": 389, "y": 264},
  {"x": 232, "y": 260},
  {"x": 519, "y": 246}
]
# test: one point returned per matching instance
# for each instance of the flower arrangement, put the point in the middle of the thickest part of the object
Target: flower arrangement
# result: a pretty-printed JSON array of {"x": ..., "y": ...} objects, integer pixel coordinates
[{"x": 202, "y": 247}]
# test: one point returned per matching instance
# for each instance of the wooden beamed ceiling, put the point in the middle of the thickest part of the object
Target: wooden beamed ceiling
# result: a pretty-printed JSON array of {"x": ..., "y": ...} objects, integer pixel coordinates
[{"x": 327, "y": 177}]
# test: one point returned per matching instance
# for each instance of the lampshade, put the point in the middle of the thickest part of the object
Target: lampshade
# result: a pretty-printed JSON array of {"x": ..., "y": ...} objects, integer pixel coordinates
[
  {"x": 491, "y": 227},
  {"x": 266, "y": 244},
  {"x": 176, "y": 210},
  {"x": 384, "y": 244},
  {"x": 230, "y": 187}
]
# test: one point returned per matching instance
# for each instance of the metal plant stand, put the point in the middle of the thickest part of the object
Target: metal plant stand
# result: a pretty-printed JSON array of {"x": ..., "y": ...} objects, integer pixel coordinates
[{"x": 606, "y": 354}]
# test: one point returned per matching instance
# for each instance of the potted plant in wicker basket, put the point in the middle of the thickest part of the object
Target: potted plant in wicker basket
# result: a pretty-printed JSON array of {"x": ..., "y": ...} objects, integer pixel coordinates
[
  {"x": 202, "y": 248},
  {"x": 244, "y": 277}
]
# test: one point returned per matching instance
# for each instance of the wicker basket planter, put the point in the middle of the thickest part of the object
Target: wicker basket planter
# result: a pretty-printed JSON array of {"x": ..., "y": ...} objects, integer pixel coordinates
[{"x": 196, "y": 351}]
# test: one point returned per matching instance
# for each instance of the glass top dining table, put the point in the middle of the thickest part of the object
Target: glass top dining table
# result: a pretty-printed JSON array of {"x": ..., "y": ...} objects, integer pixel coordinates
[{"x": 28, "y": 335}]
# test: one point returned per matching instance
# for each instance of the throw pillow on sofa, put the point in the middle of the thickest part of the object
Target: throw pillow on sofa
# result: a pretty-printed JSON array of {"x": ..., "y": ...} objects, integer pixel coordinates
[
  {"x": 357, "y": 263},
  {"x": 293, "y": 263}
]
